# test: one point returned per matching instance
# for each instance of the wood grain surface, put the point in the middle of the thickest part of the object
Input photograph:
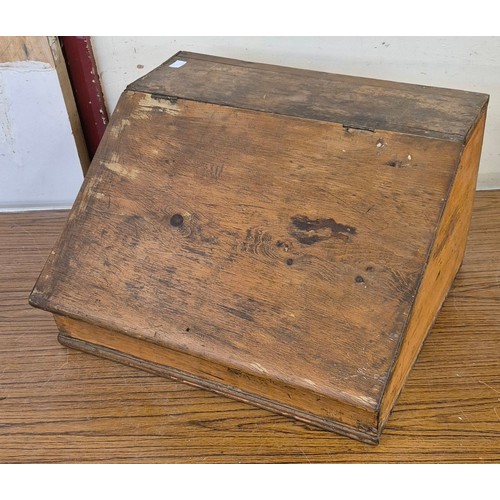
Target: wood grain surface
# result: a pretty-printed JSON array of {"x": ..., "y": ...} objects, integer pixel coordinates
[
  {"x": 351, "y": 101},
  {"x": 282, "y": 248},
  {"x": 69, "y": 100},
  {"x": 60, "y": 405},
  {"x": 443, "y": 264},
  {"x": 25, "y": 48}
]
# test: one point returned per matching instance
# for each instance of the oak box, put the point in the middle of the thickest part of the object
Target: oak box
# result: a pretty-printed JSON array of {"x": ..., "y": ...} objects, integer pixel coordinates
[{"x": 281, "y": 236}]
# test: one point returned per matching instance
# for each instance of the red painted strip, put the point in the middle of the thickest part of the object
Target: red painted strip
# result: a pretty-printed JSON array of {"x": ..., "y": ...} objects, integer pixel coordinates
[{"x": 87, "y": 88}]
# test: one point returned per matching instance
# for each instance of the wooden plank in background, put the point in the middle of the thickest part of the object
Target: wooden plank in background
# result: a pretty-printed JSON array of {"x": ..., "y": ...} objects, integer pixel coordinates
[
  {"x": 60, "y": 405},
  {"x": 25, "y": 48},
  {"x": 69, "y": 99},
  {"x": 47, "y": 50}
]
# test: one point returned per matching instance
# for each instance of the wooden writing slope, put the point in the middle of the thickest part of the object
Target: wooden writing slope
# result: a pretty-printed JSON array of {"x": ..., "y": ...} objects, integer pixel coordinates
[{"x": 281, "y": 236}]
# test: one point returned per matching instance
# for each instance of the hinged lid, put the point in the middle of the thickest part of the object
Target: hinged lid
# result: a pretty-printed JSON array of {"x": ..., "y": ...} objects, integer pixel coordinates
[{"x": 355, "y": 102}]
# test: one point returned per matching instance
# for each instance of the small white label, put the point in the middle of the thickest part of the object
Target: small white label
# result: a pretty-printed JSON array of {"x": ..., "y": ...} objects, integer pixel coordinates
[{"x": 177, "y": 64}]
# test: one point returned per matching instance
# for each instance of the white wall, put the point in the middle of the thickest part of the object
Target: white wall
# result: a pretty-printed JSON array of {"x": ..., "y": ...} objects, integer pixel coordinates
[
  {"x": 39, "y": 164},
  {"x": 468, "y": 63}
]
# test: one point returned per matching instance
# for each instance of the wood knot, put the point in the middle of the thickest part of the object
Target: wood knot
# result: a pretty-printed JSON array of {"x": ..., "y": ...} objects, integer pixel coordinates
[{"x": 176, "y": 220}]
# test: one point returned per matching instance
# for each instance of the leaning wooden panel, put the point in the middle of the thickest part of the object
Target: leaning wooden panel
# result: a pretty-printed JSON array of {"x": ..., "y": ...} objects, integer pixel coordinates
[{"x": 215, "y": 239}]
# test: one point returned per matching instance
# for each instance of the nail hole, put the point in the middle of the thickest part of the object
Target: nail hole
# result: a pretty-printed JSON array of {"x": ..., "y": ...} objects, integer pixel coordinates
[
  {"x": 187, "y": 329},
  {"x": 359, "y": 279},
  {"x": 289, "y": 262}
]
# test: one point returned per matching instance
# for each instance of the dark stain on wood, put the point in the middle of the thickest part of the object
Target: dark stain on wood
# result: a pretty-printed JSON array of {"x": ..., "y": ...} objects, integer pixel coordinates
[
  {"x": 395, "y": 164},
  {"x": 161, "y": 97},
  {"x": 348, "y": 128},
  {"x": 309, "y": 231},
  {"x": 25, "y": 50}
]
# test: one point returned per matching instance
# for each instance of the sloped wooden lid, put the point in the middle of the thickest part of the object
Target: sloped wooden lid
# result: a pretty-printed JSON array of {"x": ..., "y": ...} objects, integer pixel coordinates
[{"x": 280, "y": 245}]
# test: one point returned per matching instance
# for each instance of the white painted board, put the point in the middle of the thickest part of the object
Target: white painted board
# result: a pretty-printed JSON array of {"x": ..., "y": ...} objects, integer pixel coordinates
[{"x": 39, "y": 164}]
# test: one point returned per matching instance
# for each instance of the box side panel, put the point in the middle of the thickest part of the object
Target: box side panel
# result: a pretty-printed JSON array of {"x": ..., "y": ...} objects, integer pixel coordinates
[
  {"x": 347, "y": 100},
  {"x": 444, "y": 262},
  {"x": 306, "y": 406}
]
